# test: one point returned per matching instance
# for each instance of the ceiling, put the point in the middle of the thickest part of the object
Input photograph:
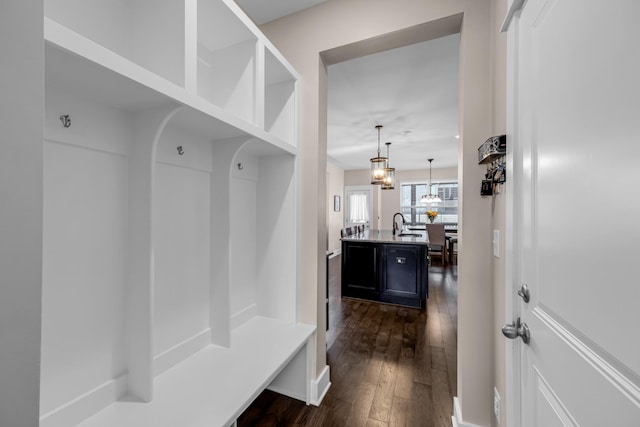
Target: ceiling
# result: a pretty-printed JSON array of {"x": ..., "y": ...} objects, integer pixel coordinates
[
  {"x": 261, "y": 11},
  {"x": 411, "y": 91}
]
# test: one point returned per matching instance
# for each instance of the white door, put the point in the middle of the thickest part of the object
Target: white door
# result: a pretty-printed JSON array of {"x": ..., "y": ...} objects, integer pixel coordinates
[
  {"x": 576, "y": 161},
  {"x": 358, "y": 205}
]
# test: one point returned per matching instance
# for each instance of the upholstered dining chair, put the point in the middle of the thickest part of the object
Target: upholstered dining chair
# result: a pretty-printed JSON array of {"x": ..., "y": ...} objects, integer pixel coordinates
[{"x": 437, "y": 241}]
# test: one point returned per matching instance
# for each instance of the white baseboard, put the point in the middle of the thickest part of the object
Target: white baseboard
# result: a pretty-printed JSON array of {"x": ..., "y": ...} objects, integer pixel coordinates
[
  {"x": 320, "y": 387},
  {"x": 456, "y": 419},
  {"x": 335, "y": 253},
  {"x": 244, "y": 315},
  {"x": 181, "y": 351},
  {"x": 82, "y": 407}
]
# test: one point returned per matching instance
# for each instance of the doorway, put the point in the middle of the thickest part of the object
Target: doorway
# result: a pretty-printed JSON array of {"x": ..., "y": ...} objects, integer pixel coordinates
[
  {"x": 379, "y": 211},
  {"x": 358, "y": 206}
]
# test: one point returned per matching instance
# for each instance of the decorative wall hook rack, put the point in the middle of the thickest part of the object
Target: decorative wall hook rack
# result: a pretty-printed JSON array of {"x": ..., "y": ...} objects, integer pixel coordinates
[
  {"x": 180, "y": 150},
  {"x": 66, "y": 120},
  {"x": 492, "y": 154}
]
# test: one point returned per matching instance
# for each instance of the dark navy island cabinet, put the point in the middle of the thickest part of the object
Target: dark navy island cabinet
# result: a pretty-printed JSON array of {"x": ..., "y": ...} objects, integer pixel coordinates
[{"x": 395, "y": 273}]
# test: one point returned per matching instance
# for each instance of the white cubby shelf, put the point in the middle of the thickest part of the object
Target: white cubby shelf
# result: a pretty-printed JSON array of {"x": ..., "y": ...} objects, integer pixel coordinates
[{"x": 170, "y": 267}]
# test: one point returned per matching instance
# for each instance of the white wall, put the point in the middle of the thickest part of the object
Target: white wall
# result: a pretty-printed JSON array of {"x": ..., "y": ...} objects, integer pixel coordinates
[
  {"x": 181, "y": 234},
  {"x": 302, "y": 37},
  {"x": 22, "y": 107},
  {"x": 335, "y": 220},
  {"x": 242, "y": 251},
  {"x": 85, "y": 247}
]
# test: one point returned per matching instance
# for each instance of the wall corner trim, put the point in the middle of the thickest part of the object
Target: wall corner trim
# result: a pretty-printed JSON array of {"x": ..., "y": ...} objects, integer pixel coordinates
[
  {"x": 320, "y": 386},
  {"x": 456, "y": 419}
]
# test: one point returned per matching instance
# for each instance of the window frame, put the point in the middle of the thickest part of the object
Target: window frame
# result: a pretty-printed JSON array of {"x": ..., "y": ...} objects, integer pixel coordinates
[{"x": 413, "y": 217}]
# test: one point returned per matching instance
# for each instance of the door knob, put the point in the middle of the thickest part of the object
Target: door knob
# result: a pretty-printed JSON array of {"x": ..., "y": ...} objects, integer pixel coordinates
[
  {"x": 516, "y": 330},
  {"x": 524, "y": 292}
]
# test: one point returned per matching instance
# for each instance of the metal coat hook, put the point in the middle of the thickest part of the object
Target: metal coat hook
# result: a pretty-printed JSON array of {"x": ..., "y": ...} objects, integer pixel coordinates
[
  {"x": 240, "y": 166},
  {"x": 66, "y": 120},
  {"x": 180, "y": 150}
]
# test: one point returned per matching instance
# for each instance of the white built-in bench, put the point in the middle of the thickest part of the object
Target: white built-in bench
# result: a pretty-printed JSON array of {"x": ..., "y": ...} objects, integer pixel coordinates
[{"x": 215, "y": 385}]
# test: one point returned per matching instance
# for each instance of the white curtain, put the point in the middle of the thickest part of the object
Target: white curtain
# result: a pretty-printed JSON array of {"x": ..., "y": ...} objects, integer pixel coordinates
[{"x": 358, "y": 209}]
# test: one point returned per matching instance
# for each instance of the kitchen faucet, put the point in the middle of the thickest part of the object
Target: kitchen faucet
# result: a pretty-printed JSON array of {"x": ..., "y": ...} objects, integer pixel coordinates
[{"x": 395, "y": 226}]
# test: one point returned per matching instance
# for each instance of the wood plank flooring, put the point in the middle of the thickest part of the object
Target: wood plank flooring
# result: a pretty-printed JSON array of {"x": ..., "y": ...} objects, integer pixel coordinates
[{"x": 390, "y": 365}]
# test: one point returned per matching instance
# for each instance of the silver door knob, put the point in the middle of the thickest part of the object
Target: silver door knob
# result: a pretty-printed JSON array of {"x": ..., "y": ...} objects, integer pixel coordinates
[{"x": 516, "y": 330}]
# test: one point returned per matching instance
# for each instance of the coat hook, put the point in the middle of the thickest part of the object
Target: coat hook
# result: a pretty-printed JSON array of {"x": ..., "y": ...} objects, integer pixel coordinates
[
  {"x": 240, "y": 166},
  {"x": 66, "y": 120},
  {"x": 180, "y": 150}
]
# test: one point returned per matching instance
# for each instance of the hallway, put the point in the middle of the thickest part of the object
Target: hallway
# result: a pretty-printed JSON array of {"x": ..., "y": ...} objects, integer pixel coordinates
[{"x": 390, "y": 365}]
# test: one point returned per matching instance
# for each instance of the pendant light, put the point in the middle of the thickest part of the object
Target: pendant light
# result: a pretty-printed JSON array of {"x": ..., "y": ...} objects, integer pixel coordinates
[
  {"x": 430, "y": 198},
  {"x": 389, "y": 173},
  {"x": 378, "y": 164}
]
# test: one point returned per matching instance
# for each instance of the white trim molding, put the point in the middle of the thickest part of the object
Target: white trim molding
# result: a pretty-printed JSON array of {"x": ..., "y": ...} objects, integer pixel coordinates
[
  {"x": 619, "y": 379},
  {"x": 514, "y": 8},
  {"x": 82, "y": 407},
  {"x": 320, "y": 386},
  {"x": 456, "y": 419}
]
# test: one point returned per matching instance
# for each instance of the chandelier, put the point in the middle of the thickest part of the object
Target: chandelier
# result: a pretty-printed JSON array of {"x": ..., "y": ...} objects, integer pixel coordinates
[{"x": 430, "y": 198}]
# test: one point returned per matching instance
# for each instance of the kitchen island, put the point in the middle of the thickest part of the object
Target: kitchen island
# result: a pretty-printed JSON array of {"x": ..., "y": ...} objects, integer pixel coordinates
[{"x": 378, "y": 265}]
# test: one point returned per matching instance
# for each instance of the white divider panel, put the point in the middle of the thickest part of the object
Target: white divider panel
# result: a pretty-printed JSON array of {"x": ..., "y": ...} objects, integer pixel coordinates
[
  {"x": 148, "y": 125},
  {"x": 295, "y": 378},
  {"x": 147, "y": 32}
]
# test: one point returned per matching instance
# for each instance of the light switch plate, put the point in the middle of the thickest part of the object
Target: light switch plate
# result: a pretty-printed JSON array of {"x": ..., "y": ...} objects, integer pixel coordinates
[{"x": 496, "y": 243}]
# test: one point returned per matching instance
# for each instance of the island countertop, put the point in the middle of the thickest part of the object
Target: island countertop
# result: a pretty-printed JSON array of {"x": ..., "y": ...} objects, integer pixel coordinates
[{"x": 412, "y": 237}]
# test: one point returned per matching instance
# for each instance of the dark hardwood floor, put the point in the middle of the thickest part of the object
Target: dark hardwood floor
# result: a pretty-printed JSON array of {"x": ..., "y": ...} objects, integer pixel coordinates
[{"x": 390, "y": 365}]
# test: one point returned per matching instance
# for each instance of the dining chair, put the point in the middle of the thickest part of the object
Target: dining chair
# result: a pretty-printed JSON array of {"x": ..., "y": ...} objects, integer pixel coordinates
[
  {"x": 437, "y": 241},
  {"x": 347, "y": 231}
]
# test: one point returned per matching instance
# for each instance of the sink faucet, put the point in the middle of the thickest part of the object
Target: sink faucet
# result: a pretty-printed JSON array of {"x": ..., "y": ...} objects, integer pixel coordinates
[{"x": 395, "y": 226}]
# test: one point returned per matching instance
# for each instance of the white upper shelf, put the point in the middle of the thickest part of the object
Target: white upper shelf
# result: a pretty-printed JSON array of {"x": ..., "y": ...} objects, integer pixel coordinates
[{"x": 205, "y": 54}]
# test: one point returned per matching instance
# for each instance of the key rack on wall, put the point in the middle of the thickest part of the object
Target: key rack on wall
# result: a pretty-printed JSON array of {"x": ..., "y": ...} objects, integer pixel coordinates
[{"x": 491, "y": 153}]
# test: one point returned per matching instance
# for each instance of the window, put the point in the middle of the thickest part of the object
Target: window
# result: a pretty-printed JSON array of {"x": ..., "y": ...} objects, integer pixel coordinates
[
  {"x": 358, "y": 208},
  {"x": 415, "y": 212}
]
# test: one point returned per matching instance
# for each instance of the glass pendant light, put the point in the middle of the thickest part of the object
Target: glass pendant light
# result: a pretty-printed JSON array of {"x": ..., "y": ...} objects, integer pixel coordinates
[
  {"x": 430, "y": 198},
  {"x": 389, "y": 173},
  {"x": 378, "y": 164}
]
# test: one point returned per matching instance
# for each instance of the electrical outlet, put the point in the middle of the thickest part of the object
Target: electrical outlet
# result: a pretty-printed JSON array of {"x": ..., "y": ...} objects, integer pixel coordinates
[{"x": 496, "y": 404}]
